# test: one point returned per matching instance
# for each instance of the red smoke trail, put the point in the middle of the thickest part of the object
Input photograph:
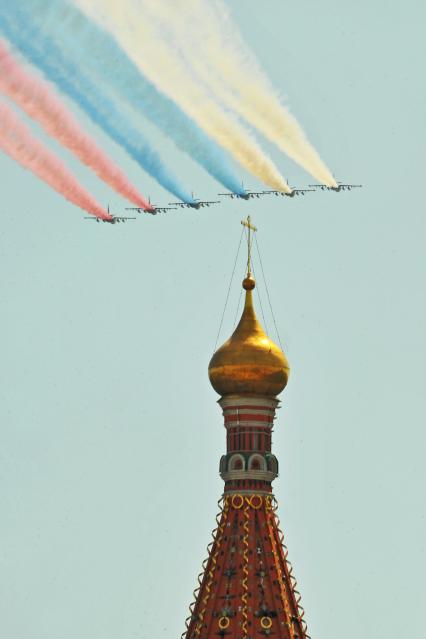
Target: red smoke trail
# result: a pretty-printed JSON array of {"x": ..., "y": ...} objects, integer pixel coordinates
[
  {"x": 18, "y": 142},
  {"x": 35, "y": 96}
]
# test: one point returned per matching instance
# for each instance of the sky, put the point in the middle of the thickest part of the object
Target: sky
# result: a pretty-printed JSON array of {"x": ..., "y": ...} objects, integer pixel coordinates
[{"x": 111, "y": 435}]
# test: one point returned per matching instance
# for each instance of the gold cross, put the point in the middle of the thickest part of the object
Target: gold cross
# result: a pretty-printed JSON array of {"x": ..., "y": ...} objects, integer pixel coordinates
[{"x": 249, "y": 226}]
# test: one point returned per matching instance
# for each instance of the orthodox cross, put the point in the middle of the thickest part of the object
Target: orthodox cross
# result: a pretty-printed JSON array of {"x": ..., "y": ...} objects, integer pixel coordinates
[{"x": 249, "y": 226}]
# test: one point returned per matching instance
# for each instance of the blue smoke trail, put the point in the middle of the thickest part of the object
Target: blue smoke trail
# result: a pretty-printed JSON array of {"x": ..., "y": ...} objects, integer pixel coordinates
[
  {"x": 94, "y": 50},
  {"x": 98, "y": 105}
]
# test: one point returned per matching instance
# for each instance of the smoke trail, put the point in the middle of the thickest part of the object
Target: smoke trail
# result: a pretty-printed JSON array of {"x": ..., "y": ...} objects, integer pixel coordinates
[
  {"x": 157, "y": 61},
  {"x": 18, "y": 142},
  {"x": 39, "y": 101},
  {"x": 98, "y": 53},
  {"x": 205, "y": 34},
  {"x": 19, "y": 26}
]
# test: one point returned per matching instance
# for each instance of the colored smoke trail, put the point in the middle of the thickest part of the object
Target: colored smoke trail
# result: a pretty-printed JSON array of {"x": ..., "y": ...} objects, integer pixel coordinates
[
  {"x": 24, "y": 30},
  {"x": 38, "y": 100},
  {"x": 205, "y": 34},
  {"x": 18, "y": 142},
  {"x": 98, "y": 53},
  {"x": 153, "y": 55}
]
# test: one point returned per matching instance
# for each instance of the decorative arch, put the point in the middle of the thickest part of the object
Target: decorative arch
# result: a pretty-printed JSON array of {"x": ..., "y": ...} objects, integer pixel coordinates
[
  {"x": 222, "y": 464},
  {"x": 237, "y": 462},
  {"x": 273, "y": 464},
  {"x": 257, "y": 462}
]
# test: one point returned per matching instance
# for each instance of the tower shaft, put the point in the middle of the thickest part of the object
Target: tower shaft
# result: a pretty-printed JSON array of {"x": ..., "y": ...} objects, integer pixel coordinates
[
  {"x": 249, "y": 464},
  {"x": 247, "y": 588}
]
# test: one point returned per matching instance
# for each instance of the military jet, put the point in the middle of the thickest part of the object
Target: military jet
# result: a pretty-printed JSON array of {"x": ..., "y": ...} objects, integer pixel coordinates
[
  {"x": 195, "y": 204},
  {"x": 292, "y": 193},
  {"x": 245, "y": 195},
  {"x": 115, "y": 219},
  {"x": 153, "y": 210},
  {"x": 339, "y": 187}
]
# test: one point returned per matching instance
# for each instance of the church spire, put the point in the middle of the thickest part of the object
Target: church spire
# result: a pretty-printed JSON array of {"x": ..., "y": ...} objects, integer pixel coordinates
[{"x": 247, "y": 589}]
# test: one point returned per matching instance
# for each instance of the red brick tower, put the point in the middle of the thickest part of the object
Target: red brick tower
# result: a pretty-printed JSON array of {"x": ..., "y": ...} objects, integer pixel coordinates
[{"x": 247, "y": 589}]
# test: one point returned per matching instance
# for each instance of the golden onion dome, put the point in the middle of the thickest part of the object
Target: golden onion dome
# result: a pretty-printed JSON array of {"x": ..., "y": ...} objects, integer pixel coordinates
[{"x": 249, "y": 363}]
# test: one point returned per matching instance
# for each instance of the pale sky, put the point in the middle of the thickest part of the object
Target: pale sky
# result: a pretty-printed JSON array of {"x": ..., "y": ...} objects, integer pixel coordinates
[{"x": 111, "y": 436}]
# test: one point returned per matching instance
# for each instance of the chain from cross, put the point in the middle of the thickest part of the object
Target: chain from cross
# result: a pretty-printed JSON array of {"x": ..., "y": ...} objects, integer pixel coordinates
[{"x": 249, "y": 226}]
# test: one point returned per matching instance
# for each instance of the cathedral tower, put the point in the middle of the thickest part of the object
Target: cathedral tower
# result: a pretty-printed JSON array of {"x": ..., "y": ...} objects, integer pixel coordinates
[{"x": 246, "y": 589}]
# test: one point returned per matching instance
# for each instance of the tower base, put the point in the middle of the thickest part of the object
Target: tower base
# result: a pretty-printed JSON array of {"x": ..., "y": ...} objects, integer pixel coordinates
[{"x": 247, "y": 588}]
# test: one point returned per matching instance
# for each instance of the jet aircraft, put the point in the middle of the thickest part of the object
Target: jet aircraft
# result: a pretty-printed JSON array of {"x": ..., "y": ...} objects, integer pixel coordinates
[
  {"x": 196, "y": 204},
  {"x": 245, "y": 195},
  {"x": 339, "y": 187},
  {"x": 292, "y": 193},
  {"x": 115, "y": 219},
  {"x": 155, "y": 209}
]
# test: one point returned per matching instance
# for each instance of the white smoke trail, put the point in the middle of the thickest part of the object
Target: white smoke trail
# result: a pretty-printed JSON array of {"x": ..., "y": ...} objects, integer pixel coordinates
[
  {"x": 204, "y": 34},
  {"x": 157, "y": 60}
]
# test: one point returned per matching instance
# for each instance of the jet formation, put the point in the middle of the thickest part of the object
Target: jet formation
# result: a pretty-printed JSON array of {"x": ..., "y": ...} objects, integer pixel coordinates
[{"x": 244, "y": 194}]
